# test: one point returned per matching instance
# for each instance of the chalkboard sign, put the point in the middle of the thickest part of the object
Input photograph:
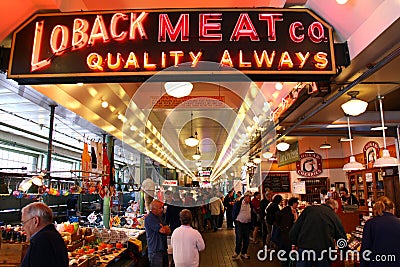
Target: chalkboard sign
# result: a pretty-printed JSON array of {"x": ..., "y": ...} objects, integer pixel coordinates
[{"x": 277, "y": 182}]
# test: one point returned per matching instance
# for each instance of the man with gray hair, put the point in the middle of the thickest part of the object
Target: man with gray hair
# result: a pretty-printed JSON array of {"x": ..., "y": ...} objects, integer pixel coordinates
[
  {"x": 46, "y": 248},
  {"x": 186, "y": 242},
  {"x": 316, "y": 230}
]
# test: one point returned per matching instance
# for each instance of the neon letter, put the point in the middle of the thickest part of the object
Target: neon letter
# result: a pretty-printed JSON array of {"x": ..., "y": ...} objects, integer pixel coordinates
[
  {"x": 321, "y": 59},
  {"x": 264, "y": 58},
  {"x": 205, "y": 27},
  {"x": 226, "y": 59},
  {"x": 79, "y": 34},
  {"x": 195, "y": 58},
  {"x": 303, "y": 58},
  {"x": 285, "y": 60},
  {"x": 59, "y": 39},
  {"x": 241, "y": 63},
  {"x": 131, "y": 61},
  {"x": 311, "y": 32},
  {"x": 117, "y": 64},
  {"x": 244, "y": 27},
  {"x": 292, "y": 32},
  {"x": 137, "y": 24},
  {"x": 165, "y": 26},
  {"x": 113, "y": 27},
  {"x": 94, "y": 61},
  {"x": 37, "y": 43},
  {"x": 146, "y": 63},
  {"x": 271, "y": 19},
  {"x": 98, "y": 31}
]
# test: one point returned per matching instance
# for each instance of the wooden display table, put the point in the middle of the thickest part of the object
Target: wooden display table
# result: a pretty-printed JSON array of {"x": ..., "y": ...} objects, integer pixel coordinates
[
  {"x": 106, "y": 260},
  {"x": 11, "y": 254}
]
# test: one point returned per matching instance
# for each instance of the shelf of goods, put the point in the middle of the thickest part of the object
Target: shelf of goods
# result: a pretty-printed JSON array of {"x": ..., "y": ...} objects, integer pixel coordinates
[
  {"x": 313, "y": 188},
  {"x": 368, "y": 185}
]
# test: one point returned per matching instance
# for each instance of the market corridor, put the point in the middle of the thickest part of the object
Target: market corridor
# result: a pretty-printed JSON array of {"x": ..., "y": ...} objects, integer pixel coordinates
[{"x": 219, "y": 249}]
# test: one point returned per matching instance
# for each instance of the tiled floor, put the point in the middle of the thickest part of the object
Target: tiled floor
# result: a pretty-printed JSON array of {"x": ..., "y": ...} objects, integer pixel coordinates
[{"x": 219, "y": 249}]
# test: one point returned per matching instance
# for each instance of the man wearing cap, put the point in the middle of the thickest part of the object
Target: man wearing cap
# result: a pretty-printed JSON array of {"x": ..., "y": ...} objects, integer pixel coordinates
[{"x": 242, "y": 217}]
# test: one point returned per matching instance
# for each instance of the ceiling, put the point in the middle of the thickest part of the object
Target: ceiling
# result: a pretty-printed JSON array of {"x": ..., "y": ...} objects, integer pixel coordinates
[{"x": 223, "y": 126}]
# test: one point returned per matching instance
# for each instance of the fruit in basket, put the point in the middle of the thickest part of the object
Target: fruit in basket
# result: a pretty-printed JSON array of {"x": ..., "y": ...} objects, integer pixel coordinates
[{"x": 118, "y": 245}]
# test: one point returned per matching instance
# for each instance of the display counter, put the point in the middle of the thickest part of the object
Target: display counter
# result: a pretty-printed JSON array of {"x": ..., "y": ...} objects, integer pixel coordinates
[{"x": 349, "y": 220}]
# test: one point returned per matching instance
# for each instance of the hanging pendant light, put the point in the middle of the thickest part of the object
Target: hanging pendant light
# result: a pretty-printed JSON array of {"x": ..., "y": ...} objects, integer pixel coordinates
[
  {"x": 268, "y": 154},
  {"x": 386, "y": 160},
  {"x": 354, "y": 106},
  {"x": 192, "y": 141},
  {"x": 353, "y": 165},
  {"x": 257, "y": 160},
  {"x": 178, "y": 89},
  {"x": 197, "y": 155},
  {"x": 325, "y": 146},
  {"x": 310, "y": 151},
  {"x": 282, "y": 146}
]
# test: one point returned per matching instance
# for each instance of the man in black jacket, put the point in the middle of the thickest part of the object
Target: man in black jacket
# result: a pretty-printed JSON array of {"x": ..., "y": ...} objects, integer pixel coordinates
[
  {"x": 229, "y": 200},
  {"x": 317, "y": 229},
  {"x": 46, "y": 248}
]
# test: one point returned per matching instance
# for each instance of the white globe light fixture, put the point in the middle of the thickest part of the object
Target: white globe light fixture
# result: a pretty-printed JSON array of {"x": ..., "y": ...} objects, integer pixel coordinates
[
  {"x": 341, "y": 2},
  {"x": 282, "y": 146},
  {"x": 353, "y": 165},
  {"x": 178, "y": 89},
  {"x": 197, "y": 155},
  {"x": 191, "y": 140},
  {"x": 257, "y": 160},
  {"x": 386, "y": 160},
  {"x": 268, "y": 154},
  {"x": 354, "y": 106}
]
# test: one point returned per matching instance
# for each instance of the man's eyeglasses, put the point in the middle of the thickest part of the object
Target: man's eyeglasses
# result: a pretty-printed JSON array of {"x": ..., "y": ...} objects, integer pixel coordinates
[{"x": 24, "y": 222}]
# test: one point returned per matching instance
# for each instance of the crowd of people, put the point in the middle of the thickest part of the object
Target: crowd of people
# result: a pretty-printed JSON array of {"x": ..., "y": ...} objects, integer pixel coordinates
[{"x": 317, "y": 228}]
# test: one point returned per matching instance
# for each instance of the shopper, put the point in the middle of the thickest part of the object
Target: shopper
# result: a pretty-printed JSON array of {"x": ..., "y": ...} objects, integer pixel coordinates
[
  {"x": 216, "y": 207},
  {"x": 186, "y": 242},
  {"x": 284, "y": 220},
  {"x": 317, "y": 229},
  {"x": 148, "y": 188},
  {"x": 348, "y": 199},
  {"x": 242, "y": 218},
  {"x": 156, "y": 235},
  {"x": 46, "y": 248},
  {"x": 381, "y": 236},
  {"x": 263, "y": 206},
  {"x": 255, "y": 215},
  {"x": 229, "y": 201},
  {"x": 172, "y": 212},
  {"x": 272, "y": 208}
]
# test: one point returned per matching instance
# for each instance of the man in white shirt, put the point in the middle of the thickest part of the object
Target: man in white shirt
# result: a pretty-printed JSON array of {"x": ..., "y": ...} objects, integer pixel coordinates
[
  {"x": 242, "y": 217},
  {"x": 186, "y": 242}
]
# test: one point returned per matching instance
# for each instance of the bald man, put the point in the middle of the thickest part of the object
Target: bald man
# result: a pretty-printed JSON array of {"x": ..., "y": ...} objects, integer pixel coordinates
[{"x": 156, "y": 234}]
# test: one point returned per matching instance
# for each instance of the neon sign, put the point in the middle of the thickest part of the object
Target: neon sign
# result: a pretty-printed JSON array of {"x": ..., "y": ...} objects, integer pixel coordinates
[{"x": 140, "y": 43}]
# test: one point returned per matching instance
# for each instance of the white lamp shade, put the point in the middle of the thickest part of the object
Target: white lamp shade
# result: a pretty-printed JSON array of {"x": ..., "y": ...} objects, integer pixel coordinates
[
  {"x": 354, "y": 107},
  {"x": 386, "y": 160},
  {"x": 198, "y": 163},
  {"x": 257, "y": 160},
  {"x": 268, "y": 154},
  {"x": 353, "y": 165},
  {"x": 191, "y": 141},
  {"x": 196, "y": 156},
  {"x": 325, "y": 146},
  {"x": 282, "y": 146},
  {"x": 178, "y": 89}
]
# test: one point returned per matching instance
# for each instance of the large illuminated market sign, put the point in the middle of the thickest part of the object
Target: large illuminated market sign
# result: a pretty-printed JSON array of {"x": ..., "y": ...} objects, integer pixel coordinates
[{"x": 135, "y": 44}]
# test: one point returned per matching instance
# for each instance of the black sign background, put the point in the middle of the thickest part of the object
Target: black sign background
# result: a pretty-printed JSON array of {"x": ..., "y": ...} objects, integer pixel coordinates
[{"x": 72, "y": 67}]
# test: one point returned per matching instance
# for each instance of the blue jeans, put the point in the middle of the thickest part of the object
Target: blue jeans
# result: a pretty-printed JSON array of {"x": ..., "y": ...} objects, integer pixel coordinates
[
  {"x": 158, "y": 259},
  {"x": 214, "y": 221},
  {"x": 325, "y": 262},
  {"x": 242, "y": 232}
]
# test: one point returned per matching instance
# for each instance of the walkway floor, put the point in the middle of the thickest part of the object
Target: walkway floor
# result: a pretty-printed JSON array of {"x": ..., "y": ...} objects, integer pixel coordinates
[{"x": 220, "y": 246}]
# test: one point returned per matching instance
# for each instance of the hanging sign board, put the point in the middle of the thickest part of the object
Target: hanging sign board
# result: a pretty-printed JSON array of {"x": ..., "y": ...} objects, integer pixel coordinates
[
  {"x": 371, "y": 152},
  {"x": 289, "y": 156},
  {"x": 309, "y": 165},
  {"x": 170, "y": 183},
  {"x": 112, "y": 46}
]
